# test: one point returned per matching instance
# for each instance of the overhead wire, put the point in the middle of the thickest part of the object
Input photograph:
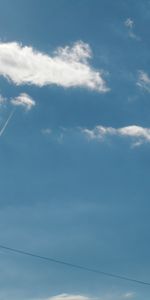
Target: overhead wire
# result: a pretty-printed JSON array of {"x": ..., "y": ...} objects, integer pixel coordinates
[{"x": 72, "y": 265}]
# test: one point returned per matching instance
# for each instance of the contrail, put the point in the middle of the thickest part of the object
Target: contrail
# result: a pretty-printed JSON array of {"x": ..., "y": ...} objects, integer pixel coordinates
[{"x": 6, "y": 123}]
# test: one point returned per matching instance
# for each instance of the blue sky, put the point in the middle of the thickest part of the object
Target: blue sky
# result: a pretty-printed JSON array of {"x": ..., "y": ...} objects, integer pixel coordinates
[{"x": 74, "y": 147}]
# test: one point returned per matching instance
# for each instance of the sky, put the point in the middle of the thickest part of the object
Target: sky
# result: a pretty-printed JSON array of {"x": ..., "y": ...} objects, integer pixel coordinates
[{"x": 74, "y": 148}]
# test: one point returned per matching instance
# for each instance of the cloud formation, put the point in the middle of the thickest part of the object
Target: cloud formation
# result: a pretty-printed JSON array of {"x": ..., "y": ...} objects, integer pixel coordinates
[
  {"x": 129, "y": 23},
  {"x": 108, "y": 296},
  {"x": 46, "y": 131},
  {"x": 137, "y": 133},
  {"x": 144, "y": 81},
  {"x": 129, "y": 295},
  {"x": 23, "y": 100},
  {"x": 68, "y": 67},
  {"x": 69, "y": 297}
]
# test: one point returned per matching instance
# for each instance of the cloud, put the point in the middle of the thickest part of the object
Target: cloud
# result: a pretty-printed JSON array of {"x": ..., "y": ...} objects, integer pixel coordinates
[
  {"x": 23, "y": 100},
  {"x": 144, "y": 81},
  {"x": 137, "y": 133},
  {"x": 129, "y": 295},
  {"x": 46, "y": 131},
  {"x": 69, "y": 297},
  {"x": 2, "y": 100},
  {"x": 108, "y": 296},
  {"x": 68, "y": 67},
  {"x": 129, "y": 24},
  {"x": 57, "y": 135},
  {"x": 2, "y": 130}
]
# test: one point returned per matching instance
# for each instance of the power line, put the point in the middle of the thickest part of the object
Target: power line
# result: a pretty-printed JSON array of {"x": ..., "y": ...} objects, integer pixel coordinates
[{"x": 50, "y": 259}]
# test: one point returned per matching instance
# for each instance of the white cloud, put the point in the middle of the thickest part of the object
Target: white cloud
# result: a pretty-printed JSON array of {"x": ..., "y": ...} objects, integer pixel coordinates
[
  {"x": 23, "y": 100},
  {"x": 137, "y": 133},
  {"x": 129, "y": 23},
  {"x": 144, "y": 81},
  {"x": 129, "y": 295},
  {"x": 68, "y": 67},
  {"x": 108, "y": 296},
  {"x": 46, "y": 131},
  {"x": 69, "y": 297},
  {"x": 98, "y": 132}
]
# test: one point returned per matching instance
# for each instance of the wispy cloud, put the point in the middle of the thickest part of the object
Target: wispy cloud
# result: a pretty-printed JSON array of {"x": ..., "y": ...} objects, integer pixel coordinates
[
  {"x": 46, "y": 131},
  {"x": 2, "y": 100},
  {"x": 144, "y": 81},
  {"x": 57, "y": 135},
  {"x": 108, "y": 296},
  {"x": 23, "y": 100},
  {"x": 138, "y": 134},
  {"x": 6, "y": 123},
  {"x": 67, "y": 67},
  {"x": 129, "y": 295},
  {"x": 69, "y": 297},
  {"x": 130, "y": 25}
]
